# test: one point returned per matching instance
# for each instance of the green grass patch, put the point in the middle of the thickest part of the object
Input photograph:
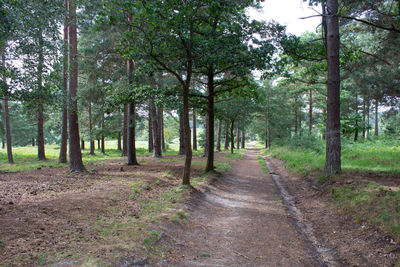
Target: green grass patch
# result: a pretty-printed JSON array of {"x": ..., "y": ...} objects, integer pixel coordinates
[
  {"x": 263, "y": 164},
  {"x": 372, "y": 203},
  {"x": 238, "y": 154}
]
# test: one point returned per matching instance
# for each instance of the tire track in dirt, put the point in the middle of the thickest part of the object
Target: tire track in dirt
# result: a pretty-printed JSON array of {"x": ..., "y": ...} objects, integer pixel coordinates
[{"x": 240, "y": 220}]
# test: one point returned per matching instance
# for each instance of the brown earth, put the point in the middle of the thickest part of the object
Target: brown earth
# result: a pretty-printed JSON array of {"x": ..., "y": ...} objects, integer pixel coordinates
[{"x": 239, "y": 220}]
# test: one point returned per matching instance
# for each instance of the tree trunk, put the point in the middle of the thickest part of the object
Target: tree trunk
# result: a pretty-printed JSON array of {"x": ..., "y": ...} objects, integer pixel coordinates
[
  {"x": 206, "y": 135},
  {"x": 356, "y": 122},
  {"x": 376, "y": 117},
  {"x": 295, "y": 116},
  {"x": 91, "y": 130},
  {"x": 268, "y": 132},
  {"x": 119, "y": 145},
  {"x": 6, "y": 113},
  {"x": 211, "y": 121},
  {"x": 125, "y": 133},
  {"x": 219, "y": 136},
  {"x": 98, "y": 144},
  {"x": 187, "y": 136},
  {"x": 232, "y": 136},
  {"x": 40, "y": 118},
  {"x": 75, "y": 155},
  {"x": 156, "y": 130},
  {"x": 103, "y": 145},
  {"x": 181, "y": 135},
  {"x": 194, "y": 131},
  {"x": 82, "y": 144},
  {"x": 333, "y": 146},
  {"x": 363, "y": 119},
  {"x": 368, "y": 108},
  {"x": 238, "y": 137},
  {"x": 243, "y": 140},
  {"x": 310, "y": 111},
  {"x": 226, "y": 145},
  {"x": 132, "y": 160},
  {"x": 33, "y": 142},
  {"x": 162, "y": 128},
  {"x": 64, "y": 128},
  {"x": 150, "y": 142}
]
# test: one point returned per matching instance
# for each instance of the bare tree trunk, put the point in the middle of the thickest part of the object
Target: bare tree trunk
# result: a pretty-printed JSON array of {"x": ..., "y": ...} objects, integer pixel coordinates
[
  {"x": 156, "y": 130},
  {"x": 376, "y": 117},
  {"x": 91, "y": 130},
  {"x": 187, "y": 135},
  {"x": 237, "y": 137},
  {"x": 64, "y": 128},
  {"x": 363, "y": 118},
  {"x": 368, "y": 108},
  {"x": 243, "y": 140},
  {"x": 333, "y": 146},
  {"x": 150, "y": 129},
  {"x": 6, "y": 113},
  {"x": 132, "y": 160},
  {"x": 103, "y": 143},
  {"x": 162, "y": 128},
  {"x": 119, "y": 145},
  {"x": 33, "y": 142},
  {"x": 232, "y": 136},
  {"x": 194, "y": 130},
  {"x": 75, "y": 155},
  {"x": 98, "y": 144},
  {"x": 206, "y": 135},
  {"x": 295, "y": 116},
  {"x": 125, "y": 133},
  {"x": 356, "y": 122},
  {"x": 310, "y": 111},
  {"x": 40, "y": 118},
  {"x": 82, "y": 144},
  {"x": 181, "y": 135},
  {"x": 219, "y": 136},
  {"x": 226, "y": 145},
  {"x": 3, "y": 142}
]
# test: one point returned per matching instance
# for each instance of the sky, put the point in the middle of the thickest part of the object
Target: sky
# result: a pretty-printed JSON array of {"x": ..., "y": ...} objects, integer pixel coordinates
[{"x": 289, "y": 12}]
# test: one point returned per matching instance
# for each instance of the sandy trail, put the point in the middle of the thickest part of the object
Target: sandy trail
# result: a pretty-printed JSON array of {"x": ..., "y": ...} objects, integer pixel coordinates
[{"x": 240, "y": 221}]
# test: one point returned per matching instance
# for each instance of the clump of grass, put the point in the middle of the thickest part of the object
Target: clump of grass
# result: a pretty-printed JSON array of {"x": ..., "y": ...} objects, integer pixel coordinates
[
  {"x": 238, "y": 154},
  {"x": 205, "y": 255},
  {"x": 168, "y": 174},
  {"x": 263, "y": 164},
  {"x": 152, "y": 238},
  {"x": 180, "y": 216},
  {"x": 137, "y": 188},
  {"x": 372, "y": 203}
]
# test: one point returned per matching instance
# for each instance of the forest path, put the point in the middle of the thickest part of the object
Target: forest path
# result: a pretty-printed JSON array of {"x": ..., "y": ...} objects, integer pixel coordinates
[{"x": 240, "y": 221}]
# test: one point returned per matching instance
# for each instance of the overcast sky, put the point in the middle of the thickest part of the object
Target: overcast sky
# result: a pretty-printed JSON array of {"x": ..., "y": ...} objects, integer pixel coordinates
[{"x": 288, "y": 12}]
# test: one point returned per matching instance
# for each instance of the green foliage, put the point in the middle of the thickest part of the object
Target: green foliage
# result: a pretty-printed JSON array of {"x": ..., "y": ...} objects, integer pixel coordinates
[{"x": 263, "y": 164}]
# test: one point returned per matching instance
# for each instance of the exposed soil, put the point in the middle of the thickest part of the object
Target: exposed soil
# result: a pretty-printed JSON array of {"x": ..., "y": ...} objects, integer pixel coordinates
[
  {"x": 51, "y": 213},
  {"x": 240, "y": 220},
  {"x": 355, "y": 244}
]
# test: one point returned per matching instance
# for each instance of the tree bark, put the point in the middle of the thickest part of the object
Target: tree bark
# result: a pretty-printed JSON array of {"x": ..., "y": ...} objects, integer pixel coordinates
[
  {"x": 211, "y": 121},
  {"x": 243, "y": 140},
  {"x": 310, "y": 111},
  {"x": 82, "y": 144},
  {"x": 187, "y": 135},
  {"x": 125, "y": 133},
  {"x": 356, "y": 122},
  {"x": 162, "y": 128},
  {"x": 368, "y": 108},
  {"x": 75, "y": 155},
  {"x": 119, "y": 145},
  {"x": 91, "y": 130},
  {"x": 219, "y": 136},
  {"x": 40, "y": 118},
  {"x": 181, "y": 135},
  {"x": 226, "y": 145},
  {"x": 363, "y": 118},
  {"x": 132, "y": 160},
  {"x": 206, "y": 135},
  {"x": 295, "y": 116},
  {"x": 33, "y": 142},
  {"x": 194, "y": 131},
  {"x": 232, "y": 137},
  {"x": 238, "y": 137},
  {"x": 333, "y": 146},
  {"x": 6, "y": 113},
  {"x": 98, "y": 144},
  {"x": 103, "y": 143},
  {"x": 150, "y": 130},
  {"x": 376, "y": 117},
  {"x": 64, "y": 128},
  {"x": 156, "y": 130}
]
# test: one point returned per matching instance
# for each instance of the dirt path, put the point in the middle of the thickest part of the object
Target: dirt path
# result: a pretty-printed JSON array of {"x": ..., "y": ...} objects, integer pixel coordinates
[{"x": 240, "y": 221}]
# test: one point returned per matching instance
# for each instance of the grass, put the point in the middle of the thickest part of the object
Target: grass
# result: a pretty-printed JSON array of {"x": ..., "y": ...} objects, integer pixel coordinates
[
  {"x": 368, "y": 202},
  {"x": 263, "y": 164},
  {"x": 362, "y": 157},
  {"x": 372, "y": 203}
]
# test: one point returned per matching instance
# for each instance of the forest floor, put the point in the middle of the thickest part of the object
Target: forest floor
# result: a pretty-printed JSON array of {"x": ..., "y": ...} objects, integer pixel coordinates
[{"x": 242, "y": 215}]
